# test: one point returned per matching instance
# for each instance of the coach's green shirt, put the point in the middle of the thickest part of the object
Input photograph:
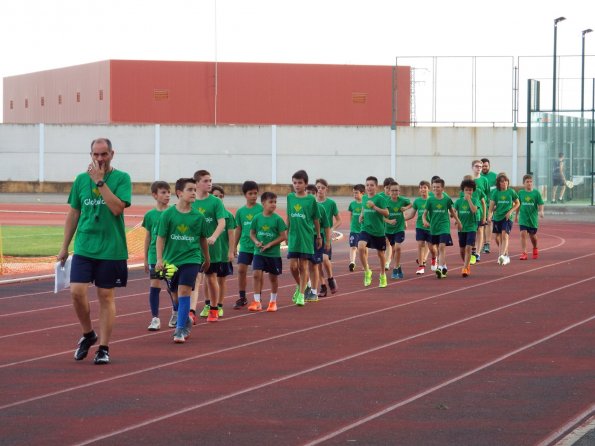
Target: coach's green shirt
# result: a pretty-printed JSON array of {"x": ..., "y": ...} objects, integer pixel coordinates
[
  {"x": 182, "y": 233},
  {"x": 439, "y": 215},
  {"x": 491, "y": 177},
  {"x": 267, "y": 229},
  {"x": 151, "y": 223},
  {"x": 529, "y": 211},
  {"x": 395, "y": 213},
  {"x": 301, "y": 213},
  {"x": 373, "y": 222},
  {"x": 244, "y": 217},
  {"x": 99, "y": 234}
]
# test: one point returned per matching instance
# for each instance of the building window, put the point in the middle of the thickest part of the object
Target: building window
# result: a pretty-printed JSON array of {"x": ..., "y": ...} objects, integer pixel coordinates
[
  {"x": 359, "y": 98},
  {"x": 26, "y": 103},
  {"x": 160, "y": 94},
  {"x": 101, "y": 95},
  {"x": 42, "y": 101},
  {"x": 78, "y": 96},
  {"x": 11, "y": 105},
  {"x": 59, "y": 99}
]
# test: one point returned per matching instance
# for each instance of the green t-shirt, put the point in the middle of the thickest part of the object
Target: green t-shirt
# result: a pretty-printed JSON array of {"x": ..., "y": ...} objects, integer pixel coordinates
[
  {"x": 324, "y": 222},
  {"x": 212, "y": 210},
  {"x": 182, "y": 233},
  {"x": 244, "y": 217},
  {"x": 439, "y": 216},
  {"x": 503, "y": 200},
  {"x": 301, "y": 213},
  {"x": 331, "y": 210},
  {"x": 476, "y": 198},
  {"x": 373, "y": 222},
  {"x": 395, "y": 213},
  {"x": 355, "y": 208},
  {"x": 491, "y": 177},
  {"x": 529, "y": 211},
  {"x": 468, "y": 218},
  {"x": 99, "y": 233},
  {"x": 483, "y": 186},
  {"x": 230, "y": 224},
  {"x": 151, "y": 223},
  {"x": 267, "y": 229},
  {"x": 419, "y": 204}
]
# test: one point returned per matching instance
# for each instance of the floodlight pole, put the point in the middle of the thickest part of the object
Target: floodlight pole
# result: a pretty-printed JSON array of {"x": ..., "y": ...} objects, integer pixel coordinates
[
  {"x": 556, "y": 21},
  {"x": 586, "y": 31}
]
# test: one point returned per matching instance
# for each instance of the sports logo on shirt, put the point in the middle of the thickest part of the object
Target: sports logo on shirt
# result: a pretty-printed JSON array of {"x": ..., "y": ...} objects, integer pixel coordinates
[
  {"x": 439, "y": 206},
  {"x": 202, "y": 210},
  {"x": 297, "y": 207},
  {"x": 96, "y": 192},
  {"x": 465, "y": 207},
  {"x": 265, "y": 228},
  {"x": 249, "y": 217},
  {"x": 527, "y": 198},
  {"x": 182, "y": 228}
]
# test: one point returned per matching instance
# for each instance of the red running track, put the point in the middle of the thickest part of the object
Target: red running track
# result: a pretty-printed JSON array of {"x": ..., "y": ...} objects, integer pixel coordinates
[{"x": 503, "y": 357}]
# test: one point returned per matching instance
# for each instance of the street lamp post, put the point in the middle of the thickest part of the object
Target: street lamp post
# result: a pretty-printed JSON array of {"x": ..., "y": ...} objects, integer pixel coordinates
[
  {"x": 586, "y": 31},
  {"x": 556, "y": 21}
]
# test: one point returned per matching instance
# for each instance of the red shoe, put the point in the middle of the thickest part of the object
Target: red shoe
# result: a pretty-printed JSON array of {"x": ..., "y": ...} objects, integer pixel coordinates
[
  {"x": 523, "y": 256},
  {"x": 255, "y": 306},
  {"x": 192, "y": 316},
  {"x": 465, "y": 272},
  {"x": 272, "y": 306},
  {"x": 535, "y": 253},
  {"x": 213, "y": 315}
]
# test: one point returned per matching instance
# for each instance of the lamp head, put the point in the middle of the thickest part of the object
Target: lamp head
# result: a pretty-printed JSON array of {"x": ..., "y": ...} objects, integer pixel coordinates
[
  {"x": 586, "y": 31},
  {"x": 559, "y": 19}
]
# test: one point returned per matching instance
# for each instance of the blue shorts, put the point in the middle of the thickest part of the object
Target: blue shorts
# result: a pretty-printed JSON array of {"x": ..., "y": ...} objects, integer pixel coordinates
[
  {"x": 467, "y": 239},
  {"x": 423, "y": 235},
  {"x": 531, "y": 231},
  {"x": 222, "y": 269},
  {"x": 185, "y": 275},
  {"x": 245, "y": 258},
  {"x": 103, "y": 273},
  {"x": 498, "y": 227},
  {"x": 318, "y": 253},
  {"x": 372, "y": 241},
  {"x": 353, "y": 239},
  {"x": 397, "y": 237},
  {"x": 300, "y": 255},
  {"x": 442, "y": 238},
  {"x": 271, "y": 265}
]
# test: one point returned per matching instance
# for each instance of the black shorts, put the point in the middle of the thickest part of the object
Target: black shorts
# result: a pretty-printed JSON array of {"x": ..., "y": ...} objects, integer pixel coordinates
[
  {"x": 245, "y": 258},
  {"x": 558, "y": 181},
  {"x": 397, "y": 237},
  {"x": 500, "y": 226},
  {"x": 423, "y": 235},
  {"x": 103, "y": 273},
  {"x": 271, "y": 265},
  {"x": 372, "y": 241},
  {"x": 185, "y": 275},
  {"x": 353, "y": 239},
  {"x": 467, "y": 239},
  {"x": 299, "y": 255},
  {"x": 530, "y": 230},
  {"x": 221, "y": 269},
  {"x": 442, "y": 238}
]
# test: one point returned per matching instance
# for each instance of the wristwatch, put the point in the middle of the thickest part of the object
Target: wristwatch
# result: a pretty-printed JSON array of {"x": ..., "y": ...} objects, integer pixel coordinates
[{"x": 100, "y": 183}]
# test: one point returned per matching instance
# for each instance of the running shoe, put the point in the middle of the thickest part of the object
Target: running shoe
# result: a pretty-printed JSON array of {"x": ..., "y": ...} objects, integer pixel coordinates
[
  {"x": 205, "y": 311},
  {"x": 352, "y": 267},
  {"x": 332, "y": 284},
  {"x": 439, "y": 273},
  {"x": 101, "y": 357},
  {"x": 272, "y": 307},
  {"x": 387, "y": 266},
  {"x": 299, "y": 300},
  {"x": 506, "y": 260},
  {"x": 84, "y": 345},
  {"x": 322, "y": 293},
  {"x": 501, "y": 260},
  {"x": 535, "y": 253},
  {"x": 310, "y": 297},
  {"x": 213, "y": 315},
  {"x": 220, "y": 311},
  {"x": 179, "y": 337},
  {"x": 420, "y": 270},
  {"x": 255, "y": 306},
  {"x": 382, "y": 281},
  {"x": 523, "y": 256},
  {"x": 241, "y": 302},
  {"x": 367, "y": 277},
  {"x": 444, "y": 271},
  {"x": 295, "y": 294},
  {"x": 400, "y": 272},
  {"x": 433, "y": 265},
  {"x": 193, "y": 318},
  {"x": 395, "y": 274},
  {"x": 173, "y": 320},
  {"x": 473, "y": 258},
  {"x": 465, "y": 272},
  {"x": 477, "y": 258},
  {"x": 154, "y": 325},
  {"x": 486, "y": 248}
]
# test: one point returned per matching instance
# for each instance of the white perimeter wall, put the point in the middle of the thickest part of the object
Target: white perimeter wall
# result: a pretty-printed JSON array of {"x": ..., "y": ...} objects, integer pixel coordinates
[{"x": 266, "y": 154}]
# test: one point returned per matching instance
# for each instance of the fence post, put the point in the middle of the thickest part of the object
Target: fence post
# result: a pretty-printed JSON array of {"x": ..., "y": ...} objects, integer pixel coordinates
[
  {"x": 157, "y": 151},
  {"x": 273, "y": 154},
  {"x": 41, "y": 168}
]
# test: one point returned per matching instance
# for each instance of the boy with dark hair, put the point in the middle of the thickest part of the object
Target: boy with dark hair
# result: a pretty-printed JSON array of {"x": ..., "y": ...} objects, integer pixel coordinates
[
  {"x": 331, "y": 213},
  {"x": 182, "y": 241},
  {"x": 161, "y": 194},
  {"x": 385, "y": 193},
  {"x": 482, "y": 192},
  {"x": 372, "y": 233},
  {"x": 212, "y": 209},
  {"x": 395, "y": 226},
  {"x": 422, "y": 234},
  {"x": 315, "y": 267},
  {"x": 528, "y": 216},
  {"x": 355, "y": 208},
  {"x": 503, "y": 202},
  {"x": 267, "y": 231},
  {"x": 303, "y": 225},
  {"x": 467, "y": 207},
  {"x": 244, "y": 217},
  {"x": 436, "y": 217}
]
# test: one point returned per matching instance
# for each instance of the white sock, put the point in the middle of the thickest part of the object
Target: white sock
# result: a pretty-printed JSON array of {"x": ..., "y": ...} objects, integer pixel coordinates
[
  {"x": 309, "y": 283},
  {"x": 314, "y": 291},
  {"x": 273, "y": 297},
  {"x": 257, "y": 297}
]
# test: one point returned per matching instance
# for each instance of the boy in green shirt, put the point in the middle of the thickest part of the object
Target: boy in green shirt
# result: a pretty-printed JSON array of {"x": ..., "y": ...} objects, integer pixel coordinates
[
  {"x": 161, "y": 194},
  {"x": 355, "y": 209},
  {"x": 503, "y": 202},
  {"x": 385, "y": 193},
  {"x": 181, "y": 241},
  {"x": 372, "y": 233},
  {"x": 303, "y": 226},
  {"x": 436, "y": 217},
  {"x": 267, "y": 231},
  {"x": 482, "y": 191},
  {"x": 315, "y": 267},
  {"x": 332, "y": 214},
  {"x": 531, "y": 210},
  {"x": 466, "y": 207},
  {"x": 491, "y": 177},
  {"x": 244, "y": 217},
  {"x": 422, "y": 234},
  {"x": 395, "y": 226}
]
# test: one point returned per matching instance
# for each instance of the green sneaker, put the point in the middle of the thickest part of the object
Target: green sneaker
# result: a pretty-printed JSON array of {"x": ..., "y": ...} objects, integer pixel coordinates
[
  {"x": 299, "y": 300},
  {"x": 367, "y": 277},
  {"x": 382, "y": 283},
  {"x": 205, "y": 311},
  {"x": 220, "y": 311},
  {"x": 295, "y": 294}
]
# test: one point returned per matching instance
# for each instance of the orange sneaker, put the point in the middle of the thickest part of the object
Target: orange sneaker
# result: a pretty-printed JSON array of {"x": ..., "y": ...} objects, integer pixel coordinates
[
  {"x": 213, "y": 315},
  {"x": 523, "y": 256},
  {"x": 272, "y": 306},
  {"x": 535, "y": 253},
  {"x": 255, "y": 306},
  {"x": 465, "y": 272}
]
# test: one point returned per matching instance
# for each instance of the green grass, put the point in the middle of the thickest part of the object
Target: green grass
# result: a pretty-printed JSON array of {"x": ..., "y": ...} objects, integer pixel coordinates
[{"x": 31, "y": 241}]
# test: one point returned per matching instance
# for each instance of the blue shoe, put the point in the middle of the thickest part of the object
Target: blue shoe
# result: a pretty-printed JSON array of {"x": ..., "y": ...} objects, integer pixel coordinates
[
  {"x": 400, "y": 272},
  {"x": 395, "y": 274}
]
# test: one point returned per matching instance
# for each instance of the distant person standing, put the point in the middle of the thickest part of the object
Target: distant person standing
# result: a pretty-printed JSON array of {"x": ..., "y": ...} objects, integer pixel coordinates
[
  {"x": 558, "y": 179},
  {"x": 491, "y": 177},
  {"x": 97, "y": 201}
]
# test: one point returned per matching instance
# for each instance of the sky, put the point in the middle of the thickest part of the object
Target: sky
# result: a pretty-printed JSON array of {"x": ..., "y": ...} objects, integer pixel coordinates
[{"x": 37, "y": 35}]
